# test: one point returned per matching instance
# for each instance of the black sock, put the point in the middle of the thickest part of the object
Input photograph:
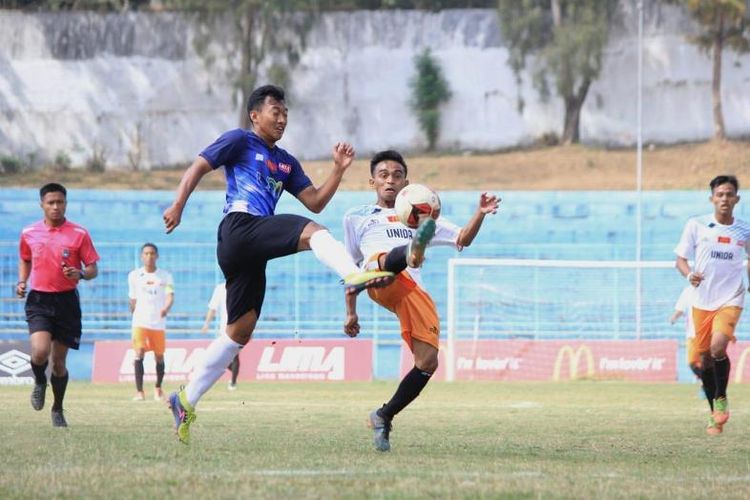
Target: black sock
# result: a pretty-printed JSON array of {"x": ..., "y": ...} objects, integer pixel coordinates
[
  {"x": 395, "y": 260},
  {"x": 722, "y": 376},
  {"x": 708, "y": 376},
  {"x": 407, "y": 391},
  {"x": 159, "y": 373},
  {"x": 138, "y": 365},
  {"x": 235, "y": 367},
  {"x": 40, "y": 375},
  {"x": 58, "y": 389}
]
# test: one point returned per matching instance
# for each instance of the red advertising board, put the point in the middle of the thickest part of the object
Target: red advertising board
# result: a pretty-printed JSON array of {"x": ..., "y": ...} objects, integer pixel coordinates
[
  {"x": 297, "y": 360},
  {"x": 648, "y": 360},
  {"x": 740, "y": 368}
]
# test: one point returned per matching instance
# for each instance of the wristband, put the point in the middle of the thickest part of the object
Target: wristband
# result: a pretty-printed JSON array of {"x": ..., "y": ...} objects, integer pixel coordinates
[
  {"x": 83, "y": 274},
  {"x": 689, "y": 275},
  {"x": 21, "y": 283}
]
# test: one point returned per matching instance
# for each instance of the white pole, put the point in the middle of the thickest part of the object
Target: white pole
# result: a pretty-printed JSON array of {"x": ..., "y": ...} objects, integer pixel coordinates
[
  {"x": 639, "y": 173},
  {"x": 450, "y": 348}
]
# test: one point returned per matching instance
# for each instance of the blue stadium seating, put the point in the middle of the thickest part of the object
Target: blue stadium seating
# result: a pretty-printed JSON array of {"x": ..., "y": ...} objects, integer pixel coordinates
[{"x": 304, "y": 299}]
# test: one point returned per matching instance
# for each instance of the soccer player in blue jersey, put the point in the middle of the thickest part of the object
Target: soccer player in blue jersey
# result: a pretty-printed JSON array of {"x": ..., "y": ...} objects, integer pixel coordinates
[{"x": 251, "y": 234}]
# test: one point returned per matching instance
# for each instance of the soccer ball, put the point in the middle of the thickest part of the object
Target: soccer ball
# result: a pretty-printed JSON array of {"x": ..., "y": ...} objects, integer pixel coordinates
[{"x": 415, "y": 200}]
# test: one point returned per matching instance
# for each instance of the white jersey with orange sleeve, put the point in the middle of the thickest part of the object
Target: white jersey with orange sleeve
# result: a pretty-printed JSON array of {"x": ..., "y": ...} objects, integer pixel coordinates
[
  {"x": 370, "y": 230},
  {"x": 150, "y": 292},
  {"x": 719, "y": 252}
]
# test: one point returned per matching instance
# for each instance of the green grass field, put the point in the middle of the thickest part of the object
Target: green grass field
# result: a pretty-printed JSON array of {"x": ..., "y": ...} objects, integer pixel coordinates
[{"x": 473, "y": 440}]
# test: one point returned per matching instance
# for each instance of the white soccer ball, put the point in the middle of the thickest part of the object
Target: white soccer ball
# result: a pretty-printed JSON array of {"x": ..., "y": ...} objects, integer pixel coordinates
[{"x": 415, "y": 200}]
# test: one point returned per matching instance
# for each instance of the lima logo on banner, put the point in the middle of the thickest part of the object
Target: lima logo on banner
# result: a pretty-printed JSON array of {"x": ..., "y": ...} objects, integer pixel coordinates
[{"x": 12, "y": 364}]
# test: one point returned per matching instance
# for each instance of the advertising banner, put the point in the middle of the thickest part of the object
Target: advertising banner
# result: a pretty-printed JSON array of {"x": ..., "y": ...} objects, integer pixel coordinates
[
  {"x": 15, "y": 363},
  {"x": 740, "y": 367},
  {"x": 259, "y": 360},
  {"x": 648, "y": 360}
]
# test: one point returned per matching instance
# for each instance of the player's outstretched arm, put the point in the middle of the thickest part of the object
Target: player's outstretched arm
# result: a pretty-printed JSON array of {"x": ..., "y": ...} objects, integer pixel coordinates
[
  {"x": 316, "y": 199},
  {"x": 189, "y": 181},
  {"x": 488, "y": 204}
]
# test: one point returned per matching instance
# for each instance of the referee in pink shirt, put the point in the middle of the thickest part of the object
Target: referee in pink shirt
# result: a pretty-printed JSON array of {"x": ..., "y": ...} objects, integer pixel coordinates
[{"x": 57, "y": 254}]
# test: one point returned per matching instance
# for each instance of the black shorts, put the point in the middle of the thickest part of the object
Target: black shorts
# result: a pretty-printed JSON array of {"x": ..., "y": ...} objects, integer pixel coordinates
[
  {"x": 56, "y": 312},
  {"x": 246, "y": 243}
]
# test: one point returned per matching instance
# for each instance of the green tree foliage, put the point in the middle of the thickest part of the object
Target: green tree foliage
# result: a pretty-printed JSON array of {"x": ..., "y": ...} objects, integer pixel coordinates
[
  {"x": 250, "y": 31},
  {"x": 429, "y": 91},
  {"x": 95, "y": 5},
  {"x": 566, "y": 39},
  {"x": 724, "y": 24},
  {"x": 304, "y": 5}
]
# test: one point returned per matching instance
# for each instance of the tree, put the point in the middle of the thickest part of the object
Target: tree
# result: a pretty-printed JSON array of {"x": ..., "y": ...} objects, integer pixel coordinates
[
  {"x": 724, "y": 25},
  {"x": 429, "y": 91},
  {"x": 249, "y": 31},
  {"x": 567, "y": 38}
]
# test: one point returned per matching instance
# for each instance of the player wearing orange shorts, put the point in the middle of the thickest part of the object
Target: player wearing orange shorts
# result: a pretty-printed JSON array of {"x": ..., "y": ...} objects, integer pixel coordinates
[
  {"x": 376, "y": 239},
  {"x": 151, "y": 294},
  {"x": 718, "y": 243}
]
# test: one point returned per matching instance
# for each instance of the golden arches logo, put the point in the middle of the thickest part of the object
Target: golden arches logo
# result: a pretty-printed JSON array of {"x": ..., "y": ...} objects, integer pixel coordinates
[
  {"x": 574, "y": 359},
  {"x": 740, "y": 368}
]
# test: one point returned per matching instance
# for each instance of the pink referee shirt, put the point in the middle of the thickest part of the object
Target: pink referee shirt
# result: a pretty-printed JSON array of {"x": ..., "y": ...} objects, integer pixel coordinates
[{"x": 49, "y": 247}]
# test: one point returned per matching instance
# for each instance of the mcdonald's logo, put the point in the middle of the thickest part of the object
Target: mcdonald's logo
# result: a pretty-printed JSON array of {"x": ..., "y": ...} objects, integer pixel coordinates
[
  {"x": 740, "y": 369},
  {"x": 574, "y": 359}
]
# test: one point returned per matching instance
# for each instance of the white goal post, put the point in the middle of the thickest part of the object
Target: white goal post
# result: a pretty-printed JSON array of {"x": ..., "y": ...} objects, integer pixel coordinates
[{"x": 558, "y": 299}]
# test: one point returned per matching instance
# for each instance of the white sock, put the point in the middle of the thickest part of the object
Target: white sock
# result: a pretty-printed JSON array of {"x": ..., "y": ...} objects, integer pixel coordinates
[
  {"x": 332, "y": 253},
  {"x": 219, "y": 354}
]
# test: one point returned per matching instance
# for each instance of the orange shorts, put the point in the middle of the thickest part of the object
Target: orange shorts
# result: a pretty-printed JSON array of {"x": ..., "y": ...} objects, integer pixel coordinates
[
  {"x": 414, "y": 308},
  {"x": 707, "y": 323},
  {"x": 149, "y": 340},
  {"x": 693, "y": 357}
]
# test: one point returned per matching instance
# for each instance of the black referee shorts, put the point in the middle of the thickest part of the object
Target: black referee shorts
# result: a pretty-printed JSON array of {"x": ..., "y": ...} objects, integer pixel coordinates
[
  {"x": 246, "y": 243},
  {"x": 56, "y": 312}
]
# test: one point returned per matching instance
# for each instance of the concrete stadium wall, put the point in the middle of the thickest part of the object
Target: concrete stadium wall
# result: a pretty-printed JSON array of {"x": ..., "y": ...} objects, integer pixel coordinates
[{"x": 133, "y": 86}]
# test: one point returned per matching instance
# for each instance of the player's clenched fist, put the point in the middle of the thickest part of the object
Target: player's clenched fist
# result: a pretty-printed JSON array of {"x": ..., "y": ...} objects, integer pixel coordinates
[{"x": 172, "y": 217}]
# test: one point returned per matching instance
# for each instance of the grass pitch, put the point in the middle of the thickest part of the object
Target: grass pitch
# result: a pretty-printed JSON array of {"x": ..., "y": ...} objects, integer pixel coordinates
[{"x": 288, "y": 440}]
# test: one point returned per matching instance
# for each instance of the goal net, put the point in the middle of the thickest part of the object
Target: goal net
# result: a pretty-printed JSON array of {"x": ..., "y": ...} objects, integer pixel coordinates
[{"x": 516, "y": 299}]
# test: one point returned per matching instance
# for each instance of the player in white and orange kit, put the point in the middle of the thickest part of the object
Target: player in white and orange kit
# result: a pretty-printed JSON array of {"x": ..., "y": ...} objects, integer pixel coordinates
[
  {"x": 151, "y": 294},
  {"x": 718, "y": 244},
  {"x": 376, "y": 239}
]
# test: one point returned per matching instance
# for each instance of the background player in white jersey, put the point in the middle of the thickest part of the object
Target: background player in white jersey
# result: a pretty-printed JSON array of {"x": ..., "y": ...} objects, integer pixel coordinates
[
  {"x": 151, "y": 293},
  {"x": 376, "y": 239},
  {"x": 217, "y": 307},
  {"x": 718, "y": 243}
]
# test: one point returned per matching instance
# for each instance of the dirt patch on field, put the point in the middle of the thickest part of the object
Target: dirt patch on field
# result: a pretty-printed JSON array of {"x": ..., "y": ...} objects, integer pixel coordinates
[{"x": 688, "y": 166}]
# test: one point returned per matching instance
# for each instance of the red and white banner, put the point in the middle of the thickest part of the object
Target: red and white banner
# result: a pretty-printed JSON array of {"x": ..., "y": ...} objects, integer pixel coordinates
[
  {"x": 740, "y": 368},
  {"x": 259, "y": 360},
  {"x": 648, "y": 360}
]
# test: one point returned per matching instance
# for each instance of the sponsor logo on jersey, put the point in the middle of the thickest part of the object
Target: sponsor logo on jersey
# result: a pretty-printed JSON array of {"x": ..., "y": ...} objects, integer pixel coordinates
[
  {"x": 393, "y": 218},
  {"x": 398, "y": 233},
  {"x": 724, "y": 239},
  {"x": 271, "y": 166},
  {"x": 274, "y": 186},
  {"x": 259, "y": 157},
  {"x": 286, "y": 168},
  {"x": 715, "y": 254}
]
